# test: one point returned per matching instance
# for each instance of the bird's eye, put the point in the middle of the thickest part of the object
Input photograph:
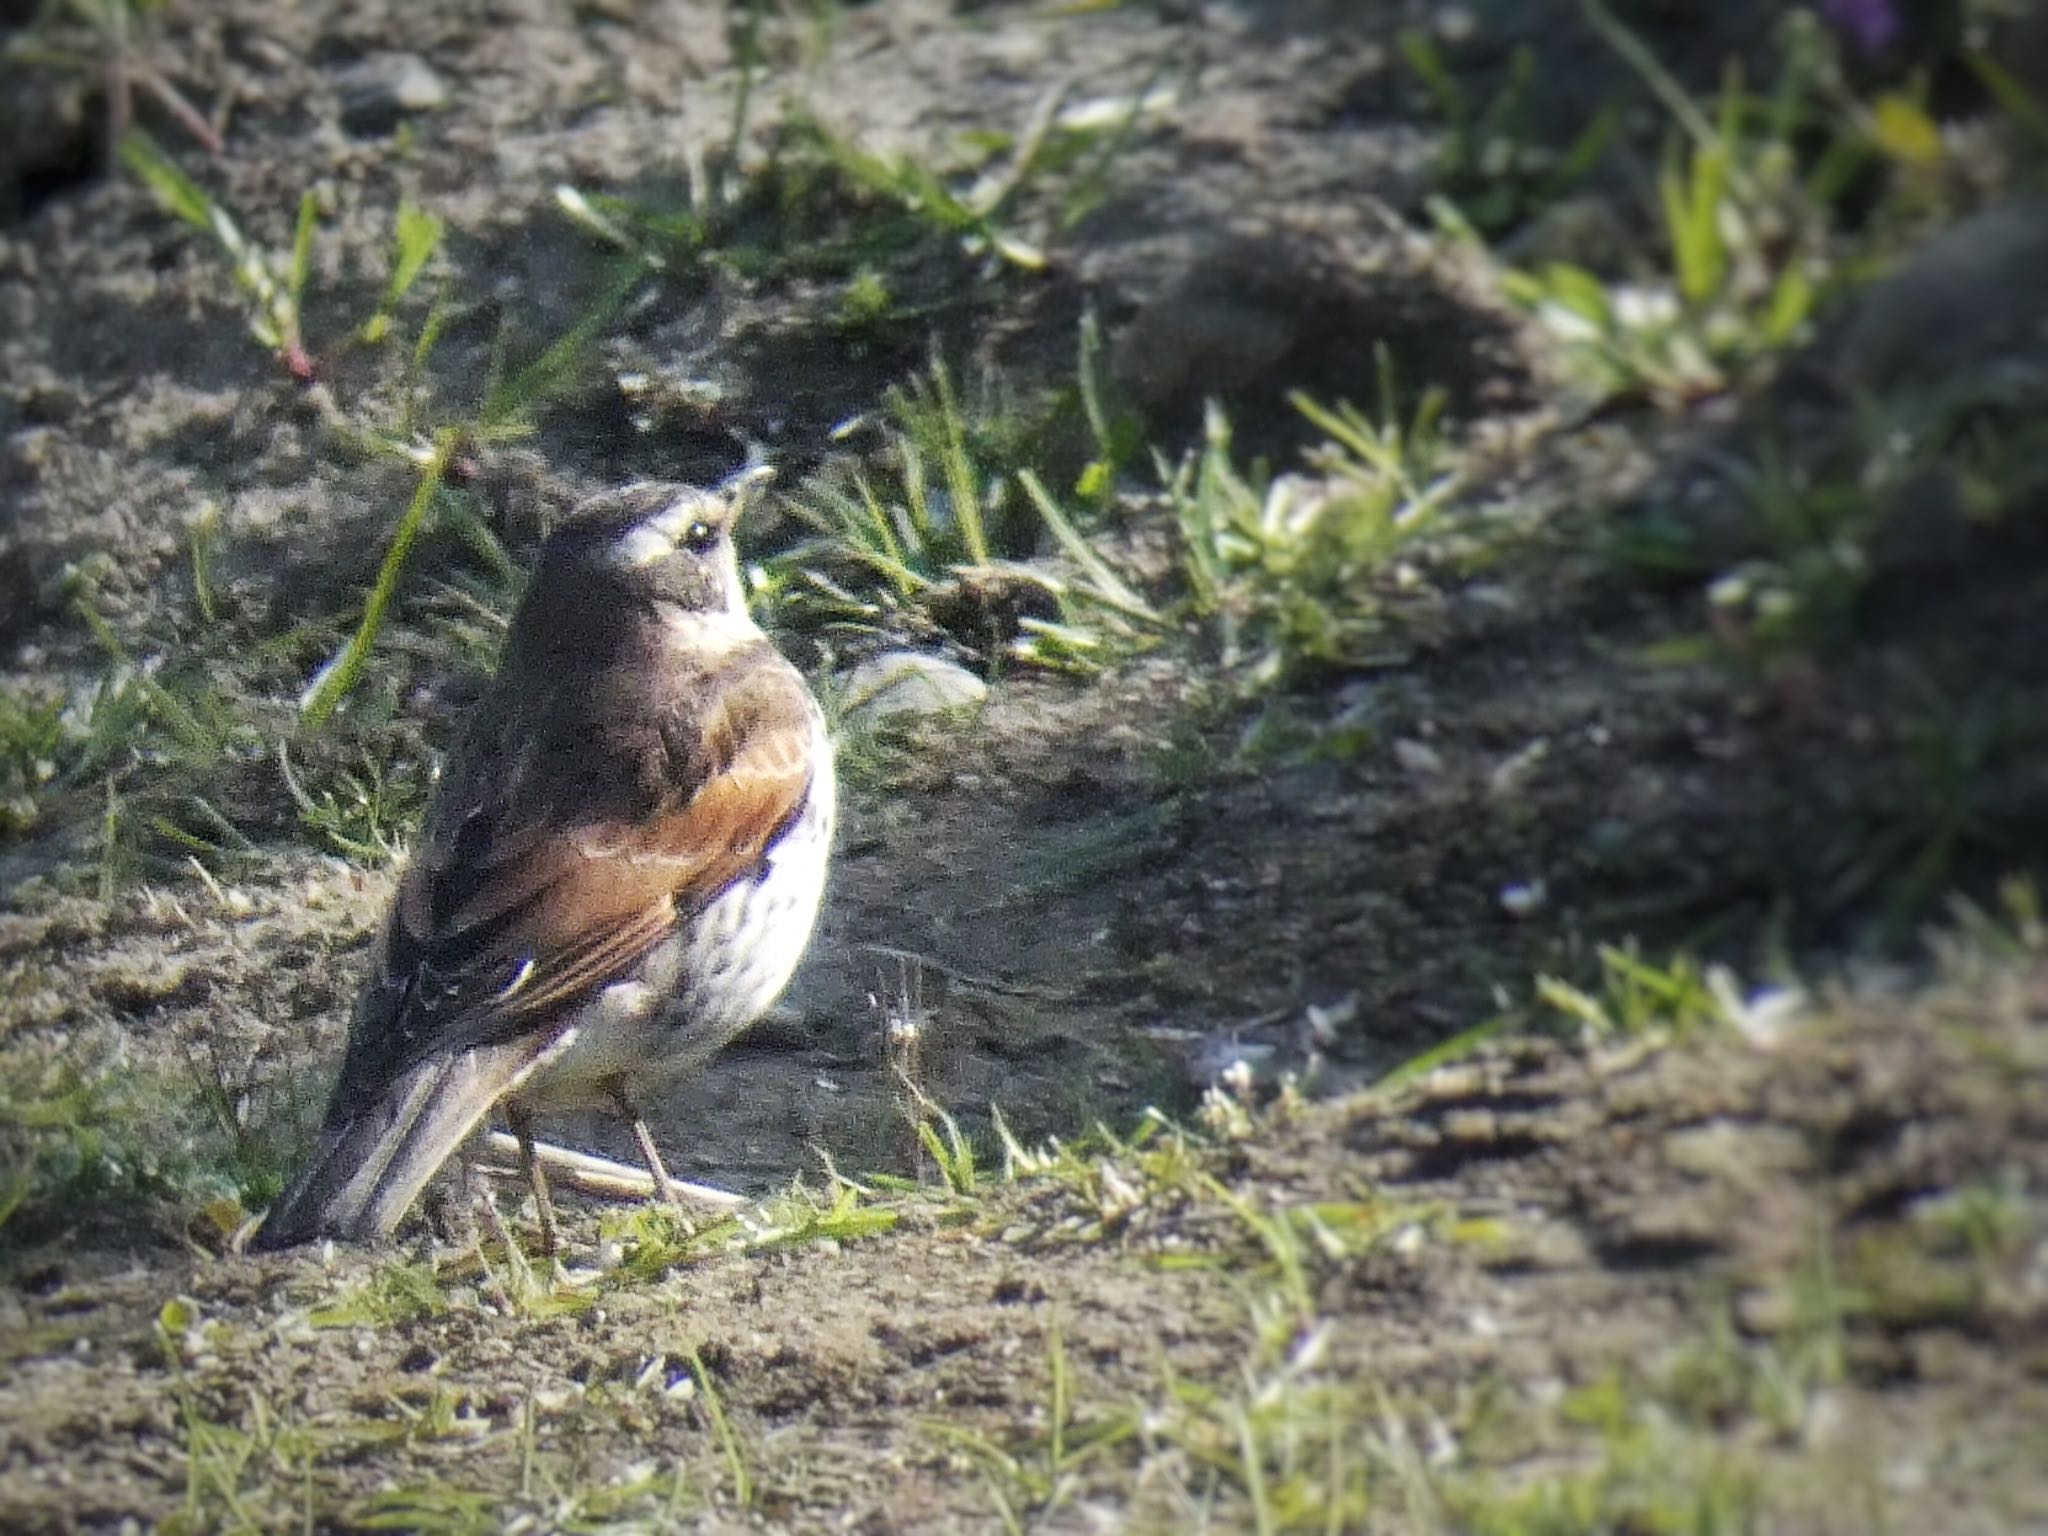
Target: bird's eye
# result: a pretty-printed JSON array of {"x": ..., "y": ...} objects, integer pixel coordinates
[{"x": 700, "y": 539}]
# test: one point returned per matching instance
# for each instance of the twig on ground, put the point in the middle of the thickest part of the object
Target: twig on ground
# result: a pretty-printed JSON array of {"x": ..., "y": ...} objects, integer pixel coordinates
[{"x": 592, "y": 1175}]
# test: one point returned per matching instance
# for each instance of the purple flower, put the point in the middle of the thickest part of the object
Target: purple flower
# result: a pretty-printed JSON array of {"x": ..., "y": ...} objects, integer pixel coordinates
[{"x": 1872, "y": 25}]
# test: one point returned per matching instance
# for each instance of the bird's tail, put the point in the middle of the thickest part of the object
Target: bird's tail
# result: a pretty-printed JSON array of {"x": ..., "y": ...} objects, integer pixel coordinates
[{"x": 375, "y": 1157}]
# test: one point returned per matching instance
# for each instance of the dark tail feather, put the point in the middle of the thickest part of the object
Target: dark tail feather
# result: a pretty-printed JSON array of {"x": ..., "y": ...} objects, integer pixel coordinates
[{"x": 374, "y": 1159}]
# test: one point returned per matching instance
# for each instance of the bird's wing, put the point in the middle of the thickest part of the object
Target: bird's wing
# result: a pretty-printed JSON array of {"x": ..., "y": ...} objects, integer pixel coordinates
[{"x": 529, "y": 898}]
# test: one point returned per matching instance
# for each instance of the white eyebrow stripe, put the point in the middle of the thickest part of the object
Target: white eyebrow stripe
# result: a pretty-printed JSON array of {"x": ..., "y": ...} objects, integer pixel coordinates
[{"x": 644, "y": 545}]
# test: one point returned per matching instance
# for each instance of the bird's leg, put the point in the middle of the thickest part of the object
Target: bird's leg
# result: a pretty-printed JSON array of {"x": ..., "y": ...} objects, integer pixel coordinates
[
  {"x": 522, "y": 1128},
  {"x": 664, "y": 1186}
]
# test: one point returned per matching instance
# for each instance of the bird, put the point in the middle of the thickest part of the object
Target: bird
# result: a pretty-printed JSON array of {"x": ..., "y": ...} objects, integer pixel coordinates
[{"x": 620, "y": 868}]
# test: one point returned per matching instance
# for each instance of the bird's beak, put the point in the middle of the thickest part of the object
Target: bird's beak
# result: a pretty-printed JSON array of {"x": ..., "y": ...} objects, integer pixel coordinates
[{"x": 740, "y": 489}]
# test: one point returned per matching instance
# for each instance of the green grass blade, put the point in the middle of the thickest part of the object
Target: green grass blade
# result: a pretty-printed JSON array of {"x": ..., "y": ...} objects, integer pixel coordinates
[
  {"x": 302, "y": 247},
  {"x": 178, "y": 193},
  {"x": 176, "y": 715},
  {"x": 1349, "y": 432},
  {"x": 2018, "y": 103},
  {"x": 509, "y": 402},
  {"x": 1110, "y": 443},
  {"x": 1662, "y": 83},
  {"x": 1456, "y": 1048},
  {"x": 887, "y": 541},
  {"x": 1104, "y": 582},
  {"x": 1792, "y": 300},
  {"x": 1574, "y": 290},
  {"x": 415, "y": 238},
  {"x": 1420, "y": 54},
  {"x": 962, "y": 484},
  {"x": 1585, "y": 151},
  {"x": 1692, "y": 198},
  {"x": 735, "y": 1455},
  {"x": 332, "y": 683},
  {"x": 1091, "y": 187}
]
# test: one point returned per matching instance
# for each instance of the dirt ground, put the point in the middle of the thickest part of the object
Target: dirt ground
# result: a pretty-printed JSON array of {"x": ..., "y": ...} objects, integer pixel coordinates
[
  {"x": 1775, "y": 1278},
  {"x": 1552, "y": 1224}
]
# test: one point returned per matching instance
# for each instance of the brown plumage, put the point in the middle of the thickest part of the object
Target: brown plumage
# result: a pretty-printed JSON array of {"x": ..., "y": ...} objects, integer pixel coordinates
[{"x": 620, "y": 869}]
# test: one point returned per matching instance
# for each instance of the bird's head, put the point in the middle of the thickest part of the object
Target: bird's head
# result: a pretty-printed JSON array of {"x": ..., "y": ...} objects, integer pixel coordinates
[
  {"x": 653, "y": 542},
  {"x": 645, "y": 553}
]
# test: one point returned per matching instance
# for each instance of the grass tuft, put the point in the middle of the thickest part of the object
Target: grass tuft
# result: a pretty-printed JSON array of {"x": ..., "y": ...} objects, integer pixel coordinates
[{"x": 1279, "y": 569}]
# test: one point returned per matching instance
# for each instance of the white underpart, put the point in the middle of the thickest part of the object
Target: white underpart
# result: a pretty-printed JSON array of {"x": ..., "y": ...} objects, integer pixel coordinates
[{"x": 715, "y": 634}]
